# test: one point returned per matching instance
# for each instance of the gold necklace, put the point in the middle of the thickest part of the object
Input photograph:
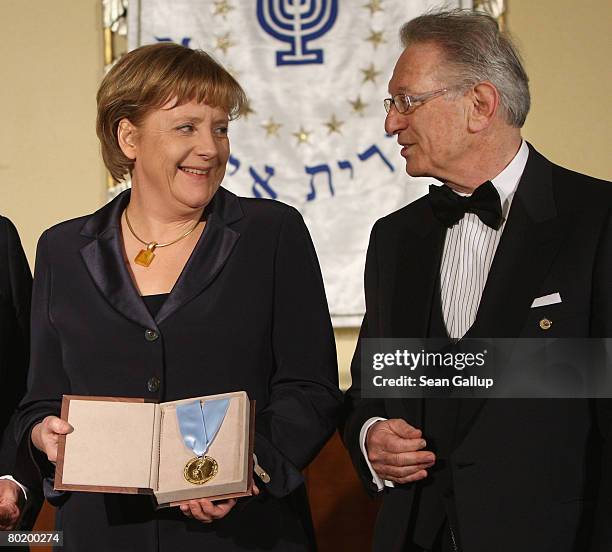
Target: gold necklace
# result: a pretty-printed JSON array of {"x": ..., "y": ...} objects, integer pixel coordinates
[{"x": 145, "y": 256}]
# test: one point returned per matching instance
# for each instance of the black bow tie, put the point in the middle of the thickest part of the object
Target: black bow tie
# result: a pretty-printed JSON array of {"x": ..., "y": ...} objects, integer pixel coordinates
[{"x": 449, "y": 207}]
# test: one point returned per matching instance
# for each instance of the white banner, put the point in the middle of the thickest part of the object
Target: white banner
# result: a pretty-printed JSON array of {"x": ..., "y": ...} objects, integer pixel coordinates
[{"x": 315, "y": 72}]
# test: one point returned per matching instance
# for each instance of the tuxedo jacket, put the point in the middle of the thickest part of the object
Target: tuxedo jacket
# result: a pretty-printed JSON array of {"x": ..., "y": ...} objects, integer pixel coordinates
[
  {"x": 529, "y": 475},
  {"x": 248, "y": 312}
]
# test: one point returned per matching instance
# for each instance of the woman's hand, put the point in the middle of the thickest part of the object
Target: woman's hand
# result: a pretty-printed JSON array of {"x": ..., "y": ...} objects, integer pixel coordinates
[
  {"x": 45, "y": 435},
  {"x": 207, "y": 511}
]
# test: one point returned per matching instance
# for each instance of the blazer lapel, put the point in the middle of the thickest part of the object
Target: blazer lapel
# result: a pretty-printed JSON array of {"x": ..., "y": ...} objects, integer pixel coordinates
[
  {"x": 418, "y": 264},
  {"x": 529, "y": 243},
  {"x": 210, "y": 254},
  {"x": 105, "y": 261},
  {"x": 106, "y": 264}
]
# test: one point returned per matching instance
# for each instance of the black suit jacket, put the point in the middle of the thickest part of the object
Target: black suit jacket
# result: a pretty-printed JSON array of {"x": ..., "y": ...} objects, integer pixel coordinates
[
  {"x": 15, "y": 295},
  {"x": 247, "y": 313},
  {"x": 529, "y": 475}
]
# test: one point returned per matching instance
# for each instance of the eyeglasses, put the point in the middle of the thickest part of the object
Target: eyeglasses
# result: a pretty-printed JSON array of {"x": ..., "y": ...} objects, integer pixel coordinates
[{"x": 405, "y": 103}]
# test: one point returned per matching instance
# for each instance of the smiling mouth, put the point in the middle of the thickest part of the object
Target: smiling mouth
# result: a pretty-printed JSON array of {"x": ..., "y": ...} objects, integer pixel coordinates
[{"x": 191, "y": 170}]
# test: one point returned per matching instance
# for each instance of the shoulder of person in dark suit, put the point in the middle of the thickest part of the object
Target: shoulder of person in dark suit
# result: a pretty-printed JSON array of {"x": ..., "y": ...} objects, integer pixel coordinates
[
  {"x": 15, "y": 299},
  {"x": 579, "y": 190},
  {"x": 15, "y": 296}
]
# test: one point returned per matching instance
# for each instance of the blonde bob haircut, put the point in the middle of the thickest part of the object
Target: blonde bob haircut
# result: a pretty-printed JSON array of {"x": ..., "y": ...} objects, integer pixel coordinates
[{"x": 147, "y": 78}]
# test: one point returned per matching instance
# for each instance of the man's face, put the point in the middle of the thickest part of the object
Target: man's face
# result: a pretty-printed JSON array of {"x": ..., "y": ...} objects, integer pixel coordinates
[{"x": 434, "y": 136}]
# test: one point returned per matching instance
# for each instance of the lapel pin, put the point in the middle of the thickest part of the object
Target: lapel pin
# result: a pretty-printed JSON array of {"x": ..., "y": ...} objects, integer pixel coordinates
[{"x": 545, "y": 324}]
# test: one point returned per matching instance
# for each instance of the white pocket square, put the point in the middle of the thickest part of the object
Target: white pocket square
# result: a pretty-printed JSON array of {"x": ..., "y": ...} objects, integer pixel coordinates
[{"x": 545, "y": 300}]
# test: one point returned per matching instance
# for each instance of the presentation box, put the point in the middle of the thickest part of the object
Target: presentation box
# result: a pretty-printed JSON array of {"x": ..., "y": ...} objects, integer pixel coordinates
[{"x": 132, "y": 446}]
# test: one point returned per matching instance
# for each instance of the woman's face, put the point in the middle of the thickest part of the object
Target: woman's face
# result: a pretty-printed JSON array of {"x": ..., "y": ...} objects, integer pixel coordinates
[{"x": 181, "y": 153}]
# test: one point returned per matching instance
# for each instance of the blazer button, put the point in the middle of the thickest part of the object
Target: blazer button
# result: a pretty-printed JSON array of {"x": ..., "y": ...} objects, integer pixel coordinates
[
  {"x": 545, "y": 324},
  {"x": 151, "y": 335},
  {"x": 153, "y": 384}
]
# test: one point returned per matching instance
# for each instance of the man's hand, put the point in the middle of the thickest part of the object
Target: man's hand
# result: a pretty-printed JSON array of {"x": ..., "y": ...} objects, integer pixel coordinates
[
  {"x": 207, "y": 511},
  {"x": 394, "y": 450},
  {"x": 45, "y": 435},
  {"x": 10, "y": 497}
]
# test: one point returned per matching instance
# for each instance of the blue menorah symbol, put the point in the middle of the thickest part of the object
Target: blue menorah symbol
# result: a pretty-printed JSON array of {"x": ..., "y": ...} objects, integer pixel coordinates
[{"x": 297, "y": 22}]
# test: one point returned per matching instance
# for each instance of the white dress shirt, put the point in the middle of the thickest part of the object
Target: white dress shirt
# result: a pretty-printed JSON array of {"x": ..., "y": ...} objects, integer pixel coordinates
[{"x": 469, "y": 248}]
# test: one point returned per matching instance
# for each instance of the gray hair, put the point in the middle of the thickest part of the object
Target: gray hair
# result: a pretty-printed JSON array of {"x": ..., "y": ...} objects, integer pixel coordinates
[{"x": 476, "y": 51}]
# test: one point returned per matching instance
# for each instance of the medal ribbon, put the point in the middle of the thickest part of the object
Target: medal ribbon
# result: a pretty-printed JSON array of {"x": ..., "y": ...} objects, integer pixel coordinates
[{"x": 199, "y": 423}]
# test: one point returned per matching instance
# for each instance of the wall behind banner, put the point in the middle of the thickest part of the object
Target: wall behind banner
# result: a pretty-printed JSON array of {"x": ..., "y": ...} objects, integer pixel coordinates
[{"x": 51, "y": 55}]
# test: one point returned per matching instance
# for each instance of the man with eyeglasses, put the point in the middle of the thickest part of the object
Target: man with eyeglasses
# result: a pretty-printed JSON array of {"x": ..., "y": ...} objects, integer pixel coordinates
[{"x": 509, "y": 245}]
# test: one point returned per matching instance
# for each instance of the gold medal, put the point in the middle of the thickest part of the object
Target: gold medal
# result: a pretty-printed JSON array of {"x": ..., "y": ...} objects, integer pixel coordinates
[{"x": 200, "y": 470}]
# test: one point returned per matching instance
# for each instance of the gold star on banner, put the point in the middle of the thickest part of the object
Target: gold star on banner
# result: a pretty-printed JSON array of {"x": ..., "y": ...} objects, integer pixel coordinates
[
  {"x": 222, "y": 7},
  {"x": 271, "y": 127},
  {"x": 376, "y": 38},
  {"x": 302, "y": 135},
  {"x": 370, "y": 73},
  {"x": 358, "y": 105},
  {"x": 224, "y": 43},
  {"x": 374, "y": 6},
  {"x": 334, "y": 125}
]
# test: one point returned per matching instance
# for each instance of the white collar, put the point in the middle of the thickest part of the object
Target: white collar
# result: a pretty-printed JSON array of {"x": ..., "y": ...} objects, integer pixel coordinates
[{"x": 507, "y": 181}]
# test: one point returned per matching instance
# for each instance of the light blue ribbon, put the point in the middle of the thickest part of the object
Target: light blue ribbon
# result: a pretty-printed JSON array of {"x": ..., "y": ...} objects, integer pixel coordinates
[{"x": 199, "y": 423}]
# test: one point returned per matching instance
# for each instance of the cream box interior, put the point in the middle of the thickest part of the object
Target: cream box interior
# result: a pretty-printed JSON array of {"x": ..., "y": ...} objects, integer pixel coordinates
[{"x": 123, "y": 445}]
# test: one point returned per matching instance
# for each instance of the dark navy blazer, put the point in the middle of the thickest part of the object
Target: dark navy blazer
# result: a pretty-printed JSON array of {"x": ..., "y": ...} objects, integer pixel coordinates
[{"x": 248, "y": 312}]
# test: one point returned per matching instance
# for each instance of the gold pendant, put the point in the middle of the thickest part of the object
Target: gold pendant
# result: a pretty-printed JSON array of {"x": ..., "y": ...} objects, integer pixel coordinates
[
  {"x": 200, "y": 470},
  {"x": 145, "y": 256}
]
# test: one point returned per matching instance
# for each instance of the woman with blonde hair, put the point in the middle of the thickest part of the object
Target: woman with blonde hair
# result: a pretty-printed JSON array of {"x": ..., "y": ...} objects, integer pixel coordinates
[{"x": 175, "y": 289}]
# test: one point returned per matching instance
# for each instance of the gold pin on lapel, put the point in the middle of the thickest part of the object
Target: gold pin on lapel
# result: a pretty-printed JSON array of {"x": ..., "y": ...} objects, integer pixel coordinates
[{"x": 545, "y": 324}]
